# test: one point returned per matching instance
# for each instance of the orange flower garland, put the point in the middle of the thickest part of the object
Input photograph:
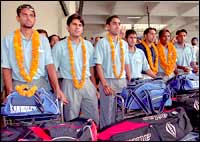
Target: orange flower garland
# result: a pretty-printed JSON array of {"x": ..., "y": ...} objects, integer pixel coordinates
[
  {"x": 167, "y": 66},
  {"x": 71, "y": 60},
  {"x": 154, "y": 67},
  {"x": 20, "y": 59},
  {"x": 113, "y": 56},
  {"x": 24, "y": 90}
]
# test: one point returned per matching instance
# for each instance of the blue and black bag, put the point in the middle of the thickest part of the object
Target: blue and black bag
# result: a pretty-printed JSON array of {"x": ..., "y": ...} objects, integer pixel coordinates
[
  {"x": 41, "y": 102},
  {"x": 182, "y": 84},
  {"x": 148, "y": 95}
]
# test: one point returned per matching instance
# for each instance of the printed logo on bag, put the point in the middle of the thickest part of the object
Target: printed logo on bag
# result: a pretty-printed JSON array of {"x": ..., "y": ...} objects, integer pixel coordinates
[
  {"x": 20, "y": 109},
  {"x": 155, "y": 117},
  {"x": 145, "y": 137},
  {"x": 196, "y": 105},
  {"x": 170, "y": 129}
]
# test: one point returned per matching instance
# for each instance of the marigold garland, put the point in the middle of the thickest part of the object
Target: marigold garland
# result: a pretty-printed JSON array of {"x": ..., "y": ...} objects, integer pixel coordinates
[
  {"x": 167, "y": 66},
  {"x": 113, "y": 56},
  {"x": 154, "y": 67},
  {"x": 71, "y": 60},
  {"x": 20, "y": 59},
  {"x": 24, "y": 90}
]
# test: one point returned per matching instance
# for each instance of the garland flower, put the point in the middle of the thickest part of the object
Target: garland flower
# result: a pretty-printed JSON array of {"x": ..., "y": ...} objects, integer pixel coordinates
[
  {"x": 71, "y": 60},
  {"x": 22, "y": 90},
  {"x": 113, "y": 56},
  {"x": 169, "y": 64},
  {"x": 154, "y": 67}
]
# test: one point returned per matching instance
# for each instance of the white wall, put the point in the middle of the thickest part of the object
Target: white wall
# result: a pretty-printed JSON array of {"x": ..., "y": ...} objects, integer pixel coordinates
[{"x": 48, "y": 16}]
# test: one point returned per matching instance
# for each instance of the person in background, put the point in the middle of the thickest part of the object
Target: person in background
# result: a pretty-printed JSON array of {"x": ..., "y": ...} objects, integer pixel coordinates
[
  {"x": 186, "y": 59},
  {"x": 137, "y": 59},
  {"x": 26, "y": 57},
  {"x": 53, "y": 39},
  {"x": 194, "y": 42},
  {"x": 166, "y": 55},
  {"x": 150, "y": 50},
  {"x": 97, "y": 38},
  {"x": 43, "y": 32},
  {"x": 112, "y": 64}
]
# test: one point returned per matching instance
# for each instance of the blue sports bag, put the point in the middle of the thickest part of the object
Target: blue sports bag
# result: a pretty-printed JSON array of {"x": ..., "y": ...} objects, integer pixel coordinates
[
  {"x": 149, "y": 95},
  {"x": 41, "y": 102}
]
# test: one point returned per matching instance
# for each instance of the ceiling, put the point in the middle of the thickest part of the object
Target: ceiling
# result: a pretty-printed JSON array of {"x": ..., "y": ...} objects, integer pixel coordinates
[{"x": 175, "y": 14}]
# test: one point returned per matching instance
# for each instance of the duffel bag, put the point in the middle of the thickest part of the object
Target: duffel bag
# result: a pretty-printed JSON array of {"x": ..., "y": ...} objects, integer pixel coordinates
[
  {"x": 190, "y": 102},
  {"x": 167, "y": 126},
  {"x": 182, "y": 84},
  {"x": 149, "y": 95},
  {"x": 79, "y": 129},
  {"x": 41, "y": 102}
]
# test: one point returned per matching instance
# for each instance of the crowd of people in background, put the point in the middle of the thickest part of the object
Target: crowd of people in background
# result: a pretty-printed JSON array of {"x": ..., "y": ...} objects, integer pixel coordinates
[{"x": 81, "y": 71}]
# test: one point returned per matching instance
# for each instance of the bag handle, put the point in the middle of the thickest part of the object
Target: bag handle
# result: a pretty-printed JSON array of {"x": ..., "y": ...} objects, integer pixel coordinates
[
  {"x": 162, "y": 103},
  {"x": 38, "y": 102},
  {"x": 140, "y": 103}
]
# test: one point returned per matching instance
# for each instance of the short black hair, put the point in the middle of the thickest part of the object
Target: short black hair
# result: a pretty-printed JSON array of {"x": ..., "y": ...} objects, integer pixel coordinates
[
  {"x": 25, "y": 6},
  {"x": 180, "y": 31},
  {"x": 194, "y": 38},
  {"x": 148, "y": 29},
  {"x": 42, "y": 31},
  {"x": 51, "y": 36},
  {"x": 109, "y": 19},
  {"x": 75, "y": 16},
  {"x": 128, "y": 32},
  {"x": 163, "y": 31}
]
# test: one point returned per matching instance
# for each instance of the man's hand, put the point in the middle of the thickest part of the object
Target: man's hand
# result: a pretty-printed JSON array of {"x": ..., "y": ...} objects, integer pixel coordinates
[
  {"x": 61, "y": 96},
  {"x": 186, "y": 69},
  {"x": 108, "y": 90}
]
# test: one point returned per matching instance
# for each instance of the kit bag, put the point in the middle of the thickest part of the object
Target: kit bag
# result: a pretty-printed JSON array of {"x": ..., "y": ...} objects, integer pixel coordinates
[
  {"x": 182, "y": 84},
  {"x": 148, "y": 95},
  {"x": 167, "y": 126},
  {"x": 79, "y": 129},
  {"x": 190, "y": 102},
  {"x": 42, "y": 102}
]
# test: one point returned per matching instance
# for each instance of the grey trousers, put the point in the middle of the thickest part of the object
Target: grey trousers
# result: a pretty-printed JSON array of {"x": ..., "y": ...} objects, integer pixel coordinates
[
  {"x": 107, "y": 104},
  {"x": 41, "y": 82},
  {"x": 84, "y": 100}
]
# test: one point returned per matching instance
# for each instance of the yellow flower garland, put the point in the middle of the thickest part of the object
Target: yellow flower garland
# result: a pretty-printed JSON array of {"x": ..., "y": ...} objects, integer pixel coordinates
[
  {"x": 167, "y": 66},
  {"x": 154, "y": 67},
  {"x": 24, "y": 90},
  {"x": 71, "y": 60},
  {"x": 20, "y": 60},
  {"x": 113, "y": 56}
]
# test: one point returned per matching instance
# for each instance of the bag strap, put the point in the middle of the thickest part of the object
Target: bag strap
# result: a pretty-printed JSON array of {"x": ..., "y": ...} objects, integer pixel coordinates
[
  {"x": 162, "y": 103},
  {"x": 38, "y": 102},
  {"x": 41, "y": 133},
  {"x": 140, "y": 103}
]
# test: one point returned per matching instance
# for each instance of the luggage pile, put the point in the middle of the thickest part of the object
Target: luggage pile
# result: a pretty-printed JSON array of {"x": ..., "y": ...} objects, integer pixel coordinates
[{"x": 156, "y": 110}]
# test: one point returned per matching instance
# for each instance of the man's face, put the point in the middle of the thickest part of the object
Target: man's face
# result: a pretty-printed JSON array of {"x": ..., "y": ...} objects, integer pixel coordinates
[
  {"x": 165, "y": 37},
  {"x": 75, "y": 28},
  {"x": 181, "y": 37},
  {"x": 114, "y": 26},
  {"x": 151, "y": 36},
  {"x": 26, "y": 18},
  {"x": 132, "y": 39},
  {"x": 54, "y": 40},
  {"x": 194, "y": 42}
]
